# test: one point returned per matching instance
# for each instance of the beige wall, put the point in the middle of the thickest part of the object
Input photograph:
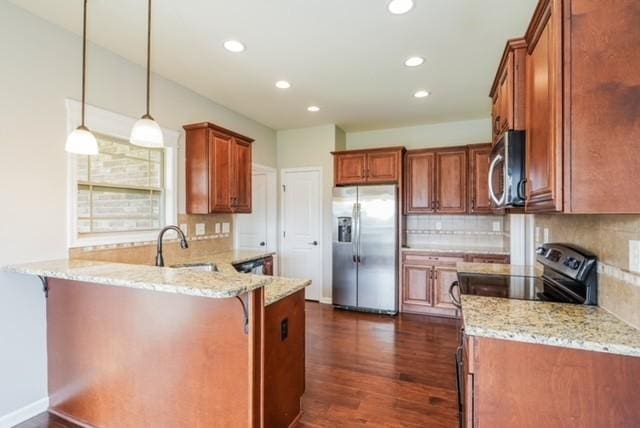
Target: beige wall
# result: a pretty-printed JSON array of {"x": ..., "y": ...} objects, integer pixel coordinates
[
  {"x": 312, "y": 147},
  {"x": 416, "y": 137},
  {"x": 608, "y": 237},
  {"x": 40, "y": 66}
]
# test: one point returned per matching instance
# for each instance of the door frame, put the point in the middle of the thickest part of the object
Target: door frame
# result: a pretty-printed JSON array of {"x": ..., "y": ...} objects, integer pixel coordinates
[
  {"x": 318, "y": 169},
  {"x": 272, "y": 207}
]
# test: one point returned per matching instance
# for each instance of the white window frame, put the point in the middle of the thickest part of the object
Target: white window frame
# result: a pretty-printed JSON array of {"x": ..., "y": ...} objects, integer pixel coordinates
[{"x": 118, "y": 126}]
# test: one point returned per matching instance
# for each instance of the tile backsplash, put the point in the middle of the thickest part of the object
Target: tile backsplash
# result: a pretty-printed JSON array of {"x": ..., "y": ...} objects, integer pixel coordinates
[
  {"x": 486, "y": 232},
  {"x": 613, "y": 239},
  {"x": 213, "y": 240}
]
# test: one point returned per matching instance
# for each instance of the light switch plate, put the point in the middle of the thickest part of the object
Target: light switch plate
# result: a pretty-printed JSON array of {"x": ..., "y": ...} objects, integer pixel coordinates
[
  {"x": 185, "y": 229},
  {"x": 546, "y": 235},
  {"x": 496, "y": 226},
  {"x": 226, "y": 227},
  {"x": 200, "y": 230},
  {"x": 217, "y": 226},
  {"x": 634, "y": 256},
  {"x": 438, "y": 225}
]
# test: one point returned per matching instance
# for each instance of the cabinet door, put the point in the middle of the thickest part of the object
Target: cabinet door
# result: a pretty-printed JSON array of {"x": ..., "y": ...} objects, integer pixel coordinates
[
  {"x": 220, "y": 156},
  {"x": 443, "y": 277},
  {"x": 451, "y": 183},
  {"x": 479, "y": 202},
  {"x": 197, "y": 171},
  {"x": 544, "y": 112},
  {"x": 417, "y": 285},
  {"x": 419, "y": 183},
  {"x": 350, "y": 168},
  {"x": 241, "y": 185},
  {"x": 383, "y": 167},
  {"x": 503, "y": 99}
]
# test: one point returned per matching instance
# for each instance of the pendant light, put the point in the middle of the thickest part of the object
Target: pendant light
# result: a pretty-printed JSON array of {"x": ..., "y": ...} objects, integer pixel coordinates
[
  {"x": 81, "y": 141},
  {"x": 146, "y": 132}
]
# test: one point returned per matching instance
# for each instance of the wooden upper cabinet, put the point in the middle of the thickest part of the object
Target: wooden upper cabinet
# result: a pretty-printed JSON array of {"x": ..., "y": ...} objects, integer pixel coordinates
[
  {"x": 375, "y": 166},
  {"x": 436, "y": 181},
  {"x": 508, "y": 90},
  {"x": 218, "y": 170},
  {"x": 451, "y": 183},
  {"x": 350, "y": 168},
  {"x": 479, "y": 201},
  {"x": 544, "y": 109},
  {"x": 420, "y": 176}
]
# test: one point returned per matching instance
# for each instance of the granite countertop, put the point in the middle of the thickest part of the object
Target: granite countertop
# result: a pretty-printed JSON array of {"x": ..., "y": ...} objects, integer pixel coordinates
[
  {"x": 458, "y": 250},
  {"x": 589, "y": 328},
  {"x": 223, "y": 284},
  {"x": 498, "y": 269}
]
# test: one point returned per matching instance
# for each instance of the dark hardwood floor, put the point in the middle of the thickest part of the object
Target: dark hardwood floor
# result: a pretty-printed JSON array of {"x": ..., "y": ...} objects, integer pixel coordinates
[{"x": 368, "y": 370}]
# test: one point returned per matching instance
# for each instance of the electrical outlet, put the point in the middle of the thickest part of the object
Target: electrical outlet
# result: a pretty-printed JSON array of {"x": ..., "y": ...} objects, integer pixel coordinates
[
  {"x": 200, "y": 229},
  {"x": 634, "y": 256},
  {"x": 217, "y": 228},
  {"x": 538, "y": 234},
  {"x": 496, "y": 226},
  {"x": 546, "y": 235},
  {"x": 438, "y": 225},
  {"x": 185, "y": 229},
  {"x": 226, "y": 227}
]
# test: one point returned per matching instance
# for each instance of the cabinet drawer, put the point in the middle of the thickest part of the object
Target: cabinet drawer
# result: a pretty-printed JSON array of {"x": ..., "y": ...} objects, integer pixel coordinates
[
  {"x": 488, "y": 258},
  {"x": 422, "y": 259}
]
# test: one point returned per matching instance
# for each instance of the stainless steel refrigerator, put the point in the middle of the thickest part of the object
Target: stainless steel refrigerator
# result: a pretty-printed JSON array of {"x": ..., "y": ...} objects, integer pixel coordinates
[{"x": 365, "y": 248}]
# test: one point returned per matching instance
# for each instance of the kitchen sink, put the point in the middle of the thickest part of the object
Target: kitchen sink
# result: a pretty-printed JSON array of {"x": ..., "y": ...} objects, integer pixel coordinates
[{"x": 201, "y": 267}]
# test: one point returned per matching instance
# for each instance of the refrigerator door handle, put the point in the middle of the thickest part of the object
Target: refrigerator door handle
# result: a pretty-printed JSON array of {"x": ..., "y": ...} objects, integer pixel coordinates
[
  {"x": 359, "y": 217},
  {"x": 354, "y": 237}
]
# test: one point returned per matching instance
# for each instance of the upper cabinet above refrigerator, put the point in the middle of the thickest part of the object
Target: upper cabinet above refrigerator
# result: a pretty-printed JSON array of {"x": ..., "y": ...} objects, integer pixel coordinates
[{"x": 374, "y": 166}]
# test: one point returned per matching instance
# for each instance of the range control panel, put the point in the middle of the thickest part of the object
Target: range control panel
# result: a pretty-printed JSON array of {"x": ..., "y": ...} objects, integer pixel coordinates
[{"x": 571, "y": 261}]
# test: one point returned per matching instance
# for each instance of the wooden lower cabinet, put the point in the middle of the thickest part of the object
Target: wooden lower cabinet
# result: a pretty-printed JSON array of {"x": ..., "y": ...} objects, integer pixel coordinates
[
  {"x": 444, "y": 276},
  {"x": 507, "y": 383}
]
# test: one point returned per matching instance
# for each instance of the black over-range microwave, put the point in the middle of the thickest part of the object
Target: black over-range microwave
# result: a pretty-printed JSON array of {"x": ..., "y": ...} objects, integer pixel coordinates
[{"x": 507, "y": 171}]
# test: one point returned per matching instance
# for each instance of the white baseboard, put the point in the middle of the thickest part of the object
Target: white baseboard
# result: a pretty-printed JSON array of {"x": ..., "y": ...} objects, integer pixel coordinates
[
  {"x": 326, "y": 300},
  {"x": 27, "y": 412}
]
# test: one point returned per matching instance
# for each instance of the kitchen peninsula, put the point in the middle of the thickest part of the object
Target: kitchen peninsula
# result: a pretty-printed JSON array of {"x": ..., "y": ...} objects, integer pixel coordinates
[{"x": 135, "y": 345}]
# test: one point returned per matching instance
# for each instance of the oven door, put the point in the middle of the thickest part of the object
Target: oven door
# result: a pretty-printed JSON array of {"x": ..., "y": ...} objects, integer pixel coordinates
[{"x": 498, "y": 175}]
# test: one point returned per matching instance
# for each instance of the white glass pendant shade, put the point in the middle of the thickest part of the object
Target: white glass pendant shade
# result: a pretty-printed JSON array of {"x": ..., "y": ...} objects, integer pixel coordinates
[
  {"x": 147, "y": 133},
  {"x": 82, "y": 142}
]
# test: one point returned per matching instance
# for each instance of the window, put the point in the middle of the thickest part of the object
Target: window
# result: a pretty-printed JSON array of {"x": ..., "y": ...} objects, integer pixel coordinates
[
  {"x": 121, "y": 189},
  {"x": 126, "y": 193}
]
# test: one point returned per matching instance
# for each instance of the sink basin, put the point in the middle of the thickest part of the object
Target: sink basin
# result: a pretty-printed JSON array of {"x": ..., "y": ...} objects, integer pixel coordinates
[{"x": 201, "y": 267}]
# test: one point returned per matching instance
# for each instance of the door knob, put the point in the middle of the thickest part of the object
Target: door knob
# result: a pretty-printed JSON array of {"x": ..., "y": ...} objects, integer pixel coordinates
[
  {"x": 313, "y": 243},
  {"x": 262, "y": 244}
]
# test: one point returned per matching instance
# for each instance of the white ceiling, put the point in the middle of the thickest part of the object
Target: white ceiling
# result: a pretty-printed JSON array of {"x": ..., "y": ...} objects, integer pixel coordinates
[{"x": 345, "y": 56}]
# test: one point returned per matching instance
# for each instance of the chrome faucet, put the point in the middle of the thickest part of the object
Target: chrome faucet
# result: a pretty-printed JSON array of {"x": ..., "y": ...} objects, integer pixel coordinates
[{"x": 183, "y": 243}]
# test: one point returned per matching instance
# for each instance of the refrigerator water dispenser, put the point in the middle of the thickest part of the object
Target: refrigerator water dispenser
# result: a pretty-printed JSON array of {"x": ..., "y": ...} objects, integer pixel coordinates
[{"x": 344, "y": 229}]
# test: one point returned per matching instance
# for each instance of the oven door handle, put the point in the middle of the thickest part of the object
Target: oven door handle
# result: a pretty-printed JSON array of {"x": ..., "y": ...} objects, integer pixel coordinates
[
  {"x": 492, "y": 193},
  {"x": 454, "y": 299}
]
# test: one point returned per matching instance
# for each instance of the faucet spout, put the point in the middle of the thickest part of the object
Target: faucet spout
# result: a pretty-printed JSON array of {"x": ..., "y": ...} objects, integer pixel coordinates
[{"x": 183, "y": 243}]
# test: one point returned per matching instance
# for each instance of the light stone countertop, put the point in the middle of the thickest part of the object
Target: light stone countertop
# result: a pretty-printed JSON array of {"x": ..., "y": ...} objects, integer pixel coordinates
[
  {"x": 224, "y": 284},
  {"x": 458, "y": 250},
  {"x": 498, "y": 269},
  {"x": 589, "y": 328}
]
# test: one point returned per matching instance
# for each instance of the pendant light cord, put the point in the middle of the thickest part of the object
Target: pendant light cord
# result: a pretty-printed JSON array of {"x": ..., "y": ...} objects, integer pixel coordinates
[
  {"x": 84, "y": 60},
  {"x": 148, "y": 55}
]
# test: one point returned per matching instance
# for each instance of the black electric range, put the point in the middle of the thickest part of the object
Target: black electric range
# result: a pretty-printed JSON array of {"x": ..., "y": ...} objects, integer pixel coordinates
[{"x": 569, "y": 276}]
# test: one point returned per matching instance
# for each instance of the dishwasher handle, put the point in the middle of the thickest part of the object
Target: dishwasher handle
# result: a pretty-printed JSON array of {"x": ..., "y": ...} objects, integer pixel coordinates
[{"x": 452, "y": 295}]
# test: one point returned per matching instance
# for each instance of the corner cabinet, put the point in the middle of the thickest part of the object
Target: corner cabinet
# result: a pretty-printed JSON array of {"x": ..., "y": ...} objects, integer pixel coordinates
[
  {"x": 218, "y": 170},
  {"x": 436, "y": 181},
  {"x": 375, "y": 166}
]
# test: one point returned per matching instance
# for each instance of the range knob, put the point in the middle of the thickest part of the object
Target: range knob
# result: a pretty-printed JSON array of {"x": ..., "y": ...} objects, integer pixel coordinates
[
  {"x": 571, "y": 263},
  {"x": 540, "y": 250}
]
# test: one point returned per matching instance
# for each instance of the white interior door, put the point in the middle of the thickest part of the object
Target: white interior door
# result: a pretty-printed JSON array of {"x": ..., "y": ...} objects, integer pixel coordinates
[
  {"x": 251, "y": 229},
  {"x": 301, "y": 250}
]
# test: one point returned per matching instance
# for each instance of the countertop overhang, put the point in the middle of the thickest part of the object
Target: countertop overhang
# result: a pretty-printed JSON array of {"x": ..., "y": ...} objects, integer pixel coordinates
[{"x": 223, "y": 284}]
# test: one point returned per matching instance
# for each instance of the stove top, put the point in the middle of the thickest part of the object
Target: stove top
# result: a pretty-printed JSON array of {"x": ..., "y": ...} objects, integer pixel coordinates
[{"x": 569, "y": 276}]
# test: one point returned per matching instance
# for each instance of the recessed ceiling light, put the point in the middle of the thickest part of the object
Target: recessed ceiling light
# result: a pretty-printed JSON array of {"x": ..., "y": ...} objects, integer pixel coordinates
[
  {"x": 313, "y": 108},
  {"x": 234, "y": 46},
  {"x": 421, "y": 94},
  {"x": 398, "y": 7},
  {"x": 283, "y": 84},
  {"x": 414, "y": 61}
]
